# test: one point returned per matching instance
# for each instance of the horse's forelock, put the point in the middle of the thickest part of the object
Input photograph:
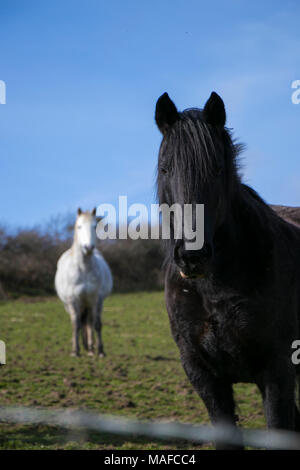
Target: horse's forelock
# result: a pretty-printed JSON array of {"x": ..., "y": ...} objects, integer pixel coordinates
[{"x": 190, "y": 149}]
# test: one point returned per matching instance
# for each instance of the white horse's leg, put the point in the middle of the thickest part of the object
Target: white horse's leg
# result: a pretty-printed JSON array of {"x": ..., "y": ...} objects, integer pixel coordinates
[
  {"x": 76, "y": 325},
  {"x": 98, "y": 327},
  {"x": 89, "y": 330}
]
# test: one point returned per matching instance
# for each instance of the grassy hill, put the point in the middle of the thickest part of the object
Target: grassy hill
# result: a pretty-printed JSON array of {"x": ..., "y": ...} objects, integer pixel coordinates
[{"x": 141, "y": 376}]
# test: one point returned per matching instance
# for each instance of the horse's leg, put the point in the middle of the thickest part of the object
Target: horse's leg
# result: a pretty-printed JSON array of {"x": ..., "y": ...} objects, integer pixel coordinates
[
  {"x": 278, "y": 391},
  {"x": 89, "y": 330},
  {"x": 217, "y": 395},
  {"x": 98, "y": 327},
  {"x": 76, "y": 325}
]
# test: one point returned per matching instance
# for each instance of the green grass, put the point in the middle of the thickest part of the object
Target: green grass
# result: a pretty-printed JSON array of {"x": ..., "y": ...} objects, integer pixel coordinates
[{"x": 141, "y": 376}]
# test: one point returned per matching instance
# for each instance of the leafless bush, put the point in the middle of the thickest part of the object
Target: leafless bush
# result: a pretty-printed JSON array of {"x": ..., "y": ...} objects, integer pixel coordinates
[
  {"x": 135, "y": 264},
  {"x": 28, "y": 259}
]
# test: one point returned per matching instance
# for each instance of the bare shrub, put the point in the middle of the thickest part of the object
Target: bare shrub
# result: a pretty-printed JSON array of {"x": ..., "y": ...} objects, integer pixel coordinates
[{"x": 28, "y": 259}]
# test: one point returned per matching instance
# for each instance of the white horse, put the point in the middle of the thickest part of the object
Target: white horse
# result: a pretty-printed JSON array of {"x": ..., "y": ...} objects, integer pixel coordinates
[{"x": 82, "y": 281}]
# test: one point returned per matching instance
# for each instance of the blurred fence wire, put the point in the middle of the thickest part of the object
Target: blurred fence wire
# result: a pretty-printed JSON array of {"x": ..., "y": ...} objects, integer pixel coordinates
[{"x": 85, "y": 420}]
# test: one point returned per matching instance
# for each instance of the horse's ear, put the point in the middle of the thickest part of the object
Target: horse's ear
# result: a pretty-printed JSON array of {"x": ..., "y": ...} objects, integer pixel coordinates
[
  {"x": 94, "y": 211},
  {"x": 79, "y": 211},
  {"x": 214, "y": 111},
  {"x": 166, "y": 113}
]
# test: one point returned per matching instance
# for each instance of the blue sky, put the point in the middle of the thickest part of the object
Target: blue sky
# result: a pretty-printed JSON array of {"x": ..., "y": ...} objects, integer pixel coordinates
[{"x": 83, "y": 78}]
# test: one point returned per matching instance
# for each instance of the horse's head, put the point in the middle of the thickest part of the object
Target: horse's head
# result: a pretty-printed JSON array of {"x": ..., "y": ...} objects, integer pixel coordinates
[
  {"x": 85, "y": 231},
  {"x": 196, "y": 166}
]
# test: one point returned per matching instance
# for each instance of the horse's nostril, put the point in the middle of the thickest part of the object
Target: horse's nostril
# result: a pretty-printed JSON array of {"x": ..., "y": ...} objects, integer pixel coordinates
[
  {"x": 177, "y": 251},
  {"x": 88, "y": 248}
]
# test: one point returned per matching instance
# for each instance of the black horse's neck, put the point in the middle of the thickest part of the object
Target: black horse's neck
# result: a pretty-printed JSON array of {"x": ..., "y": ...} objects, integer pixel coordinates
[{"x": 243, "y": 243}]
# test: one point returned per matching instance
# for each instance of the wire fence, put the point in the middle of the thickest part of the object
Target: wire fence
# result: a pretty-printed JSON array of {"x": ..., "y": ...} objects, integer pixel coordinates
[{"x": 88, "y": 421}]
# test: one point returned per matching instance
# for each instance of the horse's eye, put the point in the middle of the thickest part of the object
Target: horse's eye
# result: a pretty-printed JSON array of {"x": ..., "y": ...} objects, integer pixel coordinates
[
  {"x": 163, "y": 170},
  {"x": 219, "y": 171}
]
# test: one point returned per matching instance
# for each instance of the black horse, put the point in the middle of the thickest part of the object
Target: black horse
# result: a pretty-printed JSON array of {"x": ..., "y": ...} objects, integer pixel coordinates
[{"x": 234, "y": 305}]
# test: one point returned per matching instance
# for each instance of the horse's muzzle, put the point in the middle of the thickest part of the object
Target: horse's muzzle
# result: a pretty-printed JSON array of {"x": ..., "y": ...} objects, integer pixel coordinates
[
  {"x": 193, "y": 263},
  {"x": 88, "y": 250}
]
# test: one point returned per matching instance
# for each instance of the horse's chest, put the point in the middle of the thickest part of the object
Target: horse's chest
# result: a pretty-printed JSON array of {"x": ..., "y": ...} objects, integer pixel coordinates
[
  {"x": 219, "y": 333},
  {"x": 228, "y": 322},
  {"x": 86, "y": 282},
  {"x": 219, "y": 325}
]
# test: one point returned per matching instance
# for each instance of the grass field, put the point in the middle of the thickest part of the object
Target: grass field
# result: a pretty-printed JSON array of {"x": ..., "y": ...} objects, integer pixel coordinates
[{"x": 141, "y": 375}]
